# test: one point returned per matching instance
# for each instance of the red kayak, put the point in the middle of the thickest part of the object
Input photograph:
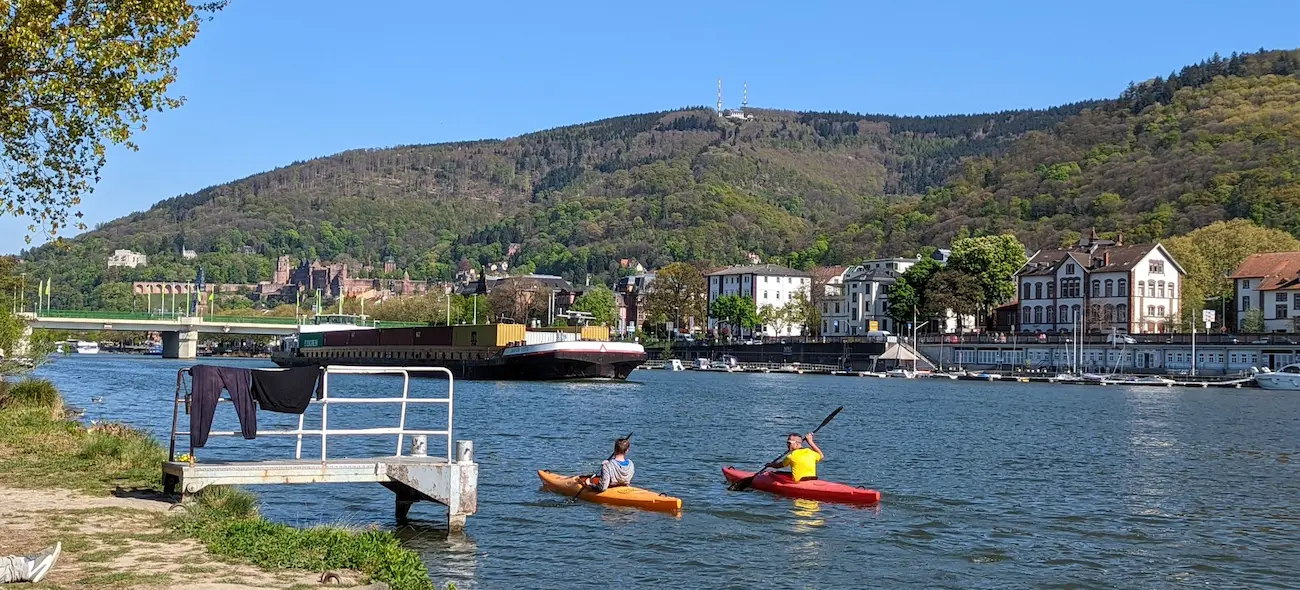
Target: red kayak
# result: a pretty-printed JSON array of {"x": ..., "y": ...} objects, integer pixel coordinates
[{"x": 827, "y": 491}]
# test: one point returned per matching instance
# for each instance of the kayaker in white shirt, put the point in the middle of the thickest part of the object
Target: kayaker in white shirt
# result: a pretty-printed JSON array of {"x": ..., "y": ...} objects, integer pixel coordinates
[{"x": 615, "y": 471}]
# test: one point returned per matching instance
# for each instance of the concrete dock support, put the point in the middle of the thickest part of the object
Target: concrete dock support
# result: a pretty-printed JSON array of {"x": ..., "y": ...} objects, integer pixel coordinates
[{"x": 180, "y": 345}]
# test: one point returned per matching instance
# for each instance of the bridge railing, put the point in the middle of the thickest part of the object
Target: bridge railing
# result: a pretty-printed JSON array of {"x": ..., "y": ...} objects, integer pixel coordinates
[{"x": 211, "y": 319}]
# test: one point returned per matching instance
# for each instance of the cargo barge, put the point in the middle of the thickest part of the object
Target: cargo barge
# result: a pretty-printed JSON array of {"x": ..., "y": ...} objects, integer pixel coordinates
[{"x": 487, "y": 351}]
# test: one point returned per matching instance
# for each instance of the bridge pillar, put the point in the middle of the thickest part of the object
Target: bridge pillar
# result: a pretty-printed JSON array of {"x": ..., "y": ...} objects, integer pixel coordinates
[
  {"x": 180, "y": 345},
  {"x": 22, "y": 346}
]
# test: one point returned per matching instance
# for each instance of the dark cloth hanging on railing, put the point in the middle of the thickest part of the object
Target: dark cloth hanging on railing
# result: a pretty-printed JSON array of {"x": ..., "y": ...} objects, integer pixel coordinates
[
  {"x": 288, "y": 391},
  {"x": 208, "y": 383}
]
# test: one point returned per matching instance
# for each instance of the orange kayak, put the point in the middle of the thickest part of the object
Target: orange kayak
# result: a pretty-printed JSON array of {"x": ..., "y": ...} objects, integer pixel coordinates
[{"x": 634, "y": 497}]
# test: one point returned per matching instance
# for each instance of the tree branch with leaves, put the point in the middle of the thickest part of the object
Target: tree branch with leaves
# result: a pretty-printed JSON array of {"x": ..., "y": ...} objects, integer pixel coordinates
[{"x": 75, "y": 77}]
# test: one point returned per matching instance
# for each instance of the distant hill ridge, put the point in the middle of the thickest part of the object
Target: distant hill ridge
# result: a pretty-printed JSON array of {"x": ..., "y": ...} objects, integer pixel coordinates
[{"x": 1215, "y": 140}]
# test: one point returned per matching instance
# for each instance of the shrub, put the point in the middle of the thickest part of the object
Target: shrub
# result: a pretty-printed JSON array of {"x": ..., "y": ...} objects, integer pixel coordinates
[
  {"x": 32, "y": 393},
  {"x": 226, "y": 520}
]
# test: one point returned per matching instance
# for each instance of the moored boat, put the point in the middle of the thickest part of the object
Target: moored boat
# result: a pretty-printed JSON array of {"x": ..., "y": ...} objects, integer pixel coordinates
[
  {"x": 1285, "y": 379},
  {"x": 781, "y": 484},
  {"x": 629, "y": 496},
  {"x": 485, "y": 351}
]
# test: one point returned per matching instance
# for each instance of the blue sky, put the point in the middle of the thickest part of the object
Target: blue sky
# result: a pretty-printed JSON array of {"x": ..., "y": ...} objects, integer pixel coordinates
[{"x": 269, "y": 82}]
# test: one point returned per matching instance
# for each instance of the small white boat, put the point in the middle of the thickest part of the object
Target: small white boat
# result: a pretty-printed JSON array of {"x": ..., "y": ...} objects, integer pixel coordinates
[
  {"x": 794, "y": 368},
  {"x": 901, "y": 374},
  {"x": 674, "y": 365},
  {"x": 941, "y": 375},
  {"x": 84, "y": 347},
  {"x": 1285, "y": 379},
  {"x": 701, "y": 365},
  {"x": 1150, "y": 380}
]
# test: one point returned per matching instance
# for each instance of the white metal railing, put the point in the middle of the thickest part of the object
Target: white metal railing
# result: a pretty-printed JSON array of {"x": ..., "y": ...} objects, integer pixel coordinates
[{"x": 324, "y": 432}]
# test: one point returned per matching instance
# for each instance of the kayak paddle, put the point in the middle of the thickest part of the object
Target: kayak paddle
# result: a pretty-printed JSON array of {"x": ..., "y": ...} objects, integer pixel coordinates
[
  {"x": 583, "y": 486},
  {"x": 742, "y": 484}
]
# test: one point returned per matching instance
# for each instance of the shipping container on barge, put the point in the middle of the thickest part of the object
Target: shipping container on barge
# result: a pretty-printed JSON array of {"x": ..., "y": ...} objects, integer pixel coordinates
[{"x": 486, "y": 351}]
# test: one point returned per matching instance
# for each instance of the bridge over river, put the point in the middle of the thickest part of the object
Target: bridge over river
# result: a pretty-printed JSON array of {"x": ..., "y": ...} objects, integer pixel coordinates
[{"x": 180, "y": 333}]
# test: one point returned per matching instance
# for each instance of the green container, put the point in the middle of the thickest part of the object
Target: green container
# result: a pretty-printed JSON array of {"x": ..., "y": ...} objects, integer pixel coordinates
[{"x": 312, "y": 340}]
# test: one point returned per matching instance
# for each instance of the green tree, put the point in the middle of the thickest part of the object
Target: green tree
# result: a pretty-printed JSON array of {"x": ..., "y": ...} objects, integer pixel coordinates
[
  {"x": 735, "y": 311},
  {"x": 1253, "y": 321},
  {"x": 953, "y": 290},
  {"x": 1212, "y": 253},
  {"x": 76, "y": 75},
  {"x": 803, "y": 312},
  {"x": 678, "y": 294},
  {"x": 907, "y": 295},
  {"x": 992, "y": 261},
  {"x": 598, "y": 301}
]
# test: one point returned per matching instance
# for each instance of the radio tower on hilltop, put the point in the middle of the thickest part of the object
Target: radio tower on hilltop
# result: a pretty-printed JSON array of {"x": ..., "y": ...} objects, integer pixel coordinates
[{"x": 719, "y": 96}]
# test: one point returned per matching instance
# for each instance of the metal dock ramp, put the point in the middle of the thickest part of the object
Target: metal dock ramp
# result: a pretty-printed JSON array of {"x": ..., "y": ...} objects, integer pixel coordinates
[{"x": 450, "y": 480}]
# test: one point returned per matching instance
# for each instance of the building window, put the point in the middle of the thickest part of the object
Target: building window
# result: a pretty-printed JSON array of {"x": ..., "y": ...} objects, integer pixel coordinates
[
  {"x": 1245, "y": 303},
  {"x": 1051, "y": 314},
  {"x": 1069, "y": 269},
  {"x": 1121, "y": 313},
  {"x": 1038, "y": 315},
  {"x": 1123, "y": 287},
  {"x": 764, "y": 279},
  {"x": 1108, "y": 313},
  {"x": 1096, "y": 288},
  {"x": 1171, "y": 291},
  {"x": 1151, "y": 310},
  {"x": 1095, "y": 311},
  {"x": 1245, "y": 284},
  {"x": 1064, "y": 314},
  {"x": 1157, "y": 267},
  {"x": 1076, "y": 312},
  {"x": 1024, "y": 291},
  {"x": 1142, "y": 288},
  {"x": 1038, "y": 290},
  {"x": 1051, "y": 289},
  {"x": 855, "y": 314},
  {"x": 1110, "y": 288},
  {"x": 1281, "y": 297},
  {"x": 765, "y": 294},
  {"x": 1295, "y": 303},
  {"x": 1160, "y": 289},
  {"x": 1160, "y": 311},
  {"x": 837, "y": 306},
  {"x": 1026, "y": 315},
  {"x": 1280, "y": 311}
]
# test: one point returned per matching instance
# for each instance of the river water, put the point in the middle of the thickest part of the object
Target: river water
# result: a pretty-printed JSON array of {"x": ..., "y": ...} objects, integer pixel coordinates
[{"x": 984, "y": 485}]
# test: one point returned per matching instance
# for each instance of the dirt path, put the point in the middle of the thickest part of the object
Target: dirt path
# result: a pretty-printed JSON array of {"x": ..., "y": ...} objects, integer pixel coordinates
[{"x": 113, "y": 543}]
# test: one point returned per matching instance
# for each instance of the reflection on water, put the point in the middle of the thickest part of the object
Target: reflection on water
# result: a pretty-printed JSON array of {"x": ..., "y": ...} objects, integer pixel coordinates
[
  {"x": 989, "y": 485},
  {"x": 807, "y": 511},
  {"x": 450, "y": 557}
]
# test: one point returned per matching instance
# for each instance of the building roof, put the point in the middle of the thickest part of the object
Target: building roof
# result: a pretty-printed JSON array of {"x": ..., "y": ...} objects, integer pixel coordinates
[
  {"x": 771, "y": 270},
  {"x": 876, "y": 275},
  {"x": 1271, "y": 264},
  {"x": 824, "y": 274},
  {"x": 1098, "y": 258}
]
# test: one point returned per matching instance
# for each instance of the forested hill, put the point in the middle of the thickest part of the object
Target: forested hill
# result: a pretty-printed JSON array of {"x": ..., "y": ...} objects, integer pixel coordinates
[{"x": 1219, "y": 139}]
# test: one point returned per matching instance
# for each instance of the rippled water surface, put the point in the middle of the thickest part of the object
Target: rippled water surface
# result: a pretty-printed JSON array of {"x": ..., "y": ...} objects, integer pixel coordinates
[{"x": 985, "y": 485}]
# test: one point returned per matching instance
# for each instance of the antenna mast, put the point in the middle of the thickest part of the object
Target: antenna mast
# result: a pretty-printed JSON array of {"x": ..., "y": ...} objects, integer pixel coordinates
[
  {"x": 719, "y": 96},
  {"x": 744, "y": 101}
]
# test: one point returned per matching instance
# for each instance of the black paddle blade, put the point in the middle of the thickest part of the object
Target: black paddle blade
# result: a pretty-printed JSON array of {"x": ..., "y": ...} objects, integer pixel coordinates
[
  {"x": 741, "y": 485},
  {"x": 829, "y": 418}
]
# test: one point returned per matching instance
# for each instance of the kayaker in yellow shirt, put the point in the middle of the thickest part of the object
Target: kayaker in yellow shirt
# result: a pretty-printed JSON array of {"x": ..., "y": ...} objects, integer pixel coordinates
[{"x": 802, "y": 462}]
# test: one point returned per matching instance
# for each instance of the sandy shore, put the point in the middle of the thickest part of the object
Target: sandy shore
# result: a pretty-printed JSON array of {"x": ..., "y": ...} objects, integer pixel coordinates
[{"x": 115, "y": 542}]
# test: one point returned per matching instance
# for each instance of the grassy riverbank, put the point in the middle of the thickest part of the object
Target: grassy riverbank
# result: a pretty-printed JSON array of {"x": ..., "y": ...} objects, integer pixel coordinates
[{"x": 40, "y": 447}]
